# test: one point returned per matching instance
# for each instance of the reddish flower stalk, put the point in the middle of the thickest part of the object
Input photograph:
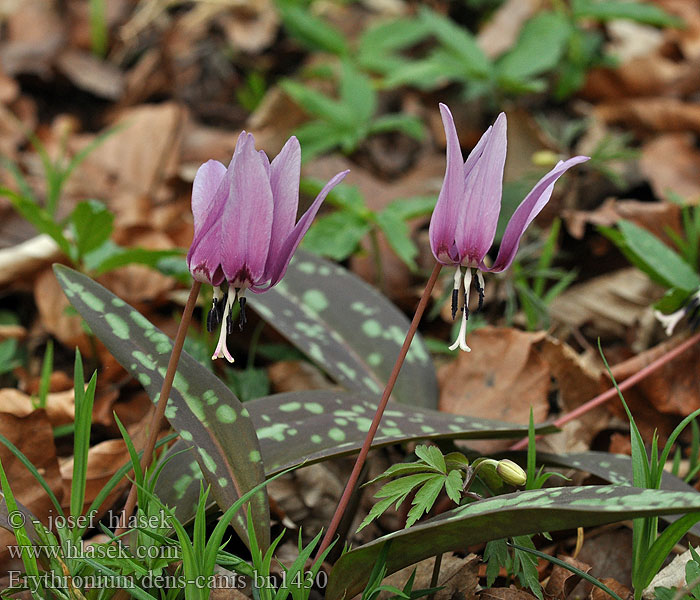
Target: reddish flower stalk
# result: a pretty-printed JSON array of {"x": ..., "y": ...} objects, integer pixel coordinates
[
  {"x": 158, "y": 414},
  {"x": 626, "y": 384},
  {"x": 360, "y": 461}
]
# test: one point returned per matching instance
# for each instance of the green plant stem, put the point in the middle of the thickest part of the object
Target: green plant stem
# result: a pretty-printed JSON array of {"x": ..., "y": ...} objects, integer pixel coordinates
[
  {"x": 626, "y": 384},
  {"x": 360, "y": 461},
  {"x": 158, "y": 414}
]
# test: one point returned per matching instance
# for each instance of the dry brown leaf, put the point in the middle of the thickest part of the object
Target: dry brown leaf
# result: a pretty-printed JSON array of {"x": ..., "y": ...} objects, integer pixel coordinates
[
  {"x": 138, "y": 283},
  {"x": 143, "y": 152},
  {"x": 201, "y": 143},
  {"x": 562, "y": 581},
  {"x": 12, "y": 332},
  {"x": 27, "y": 257},
  {"x": 501, "y": 378},
  {"x": 648, "y": 75},
  {"x": 52, "y": 304},
  {"x": 87, "y": 72},
  {"x": 672, "y": 389},
  {"x": 104, "y": 460},
  {"x": 60, "y": 406},
  {"x": 33, "y": 436},
  {"x": 656, "y": 217},
  {"x": 577, "y": 383},
  {"x": 687, "y": 38},
  {"x": 509, "y": 593},
  {"x": 679, "y": 175},
  {"x": 296, "y": 375},
  {"x": 652, "y": 114},
  {"x": 250, "y": 25},
  {"x": 623, "y": 591},
  {"x": 502, "y": 30},
  {"x": 609, "y": 553},
  {"x": 459, "y": 576},
  {"x": 274, "y": 118},
  {"x": 35, "y": 33},
  {"x": 607, "y": 304},
  {"x": 672, "y": 575}
]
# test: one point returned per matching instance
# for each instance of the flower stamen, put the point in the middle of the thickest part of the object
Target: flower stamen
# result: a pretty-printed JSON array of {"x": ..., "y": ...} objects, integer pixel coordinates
[
  {"x": 242, "y": 318},
  {"x": 221, "y": 349},
  {"x": 461, "y": 341},
  {"x": 480, "y": 288},
  {"x": 214, "y": 314},
  {"x": 455, "y": 291}
]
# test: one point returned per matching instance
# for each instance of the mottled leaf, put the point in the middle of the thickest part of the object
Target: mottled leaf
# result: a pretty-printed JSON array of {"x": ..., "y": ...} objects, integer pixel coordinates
[
  {"x": 311, "y": 426},
  {"x": 615, "y": 468},
  {"x": 201, "y": 408},
  {"x": 348, "y": 329},
  {"x": 518, "y": 513}
]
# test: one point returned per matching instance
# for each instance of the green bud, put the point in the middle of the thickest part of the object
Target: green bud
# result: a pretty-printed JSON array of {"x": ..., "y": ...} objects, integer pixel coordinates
[{"x": 510, "y": 472}]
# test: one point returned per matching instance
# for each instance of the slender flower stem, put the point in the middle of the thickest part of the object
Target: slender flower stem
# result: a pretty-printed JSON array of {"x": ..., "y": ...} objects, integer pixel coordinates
[
  {"x": 435, "y": 577},
  {"x": 157, "y": 417},
  {"x": 627, "y": 383},
  {"x": 360, "y": 461}
]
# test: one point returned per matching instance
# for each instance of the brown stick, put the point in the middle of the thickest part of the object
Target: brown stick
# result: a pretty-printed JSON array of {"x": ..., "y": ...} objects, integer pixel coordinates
[
  {"x": 360, "y": 461},
  {"x": 159, "y": 412},
  {"x": 626, "y": 384}
]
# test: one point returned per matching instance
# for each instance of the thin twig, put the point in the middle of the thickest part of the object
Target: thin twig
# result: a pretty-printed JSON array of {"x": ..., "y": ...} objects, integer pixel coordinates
[
  {"x": 612, "y": 392},
  {"x": 158, "y": 414},
  {"x": 352, "y": 481}
]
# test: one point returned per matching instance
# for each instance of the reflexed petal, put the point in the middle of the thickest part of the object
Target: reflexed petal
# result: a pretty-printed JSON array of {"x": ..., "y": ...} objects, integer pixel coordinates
[
  {"x": 477, "y": 221},
  {"x": 209, "y": 194},
  {"x": 247, "y": 218},
  {"x": 277, "y": 268},
  {"x": 207, "y": 199},
  {"x": 529, "y": 208},
  {"x": 444, "y": 219},
  {"x": 284, "y": 182}
]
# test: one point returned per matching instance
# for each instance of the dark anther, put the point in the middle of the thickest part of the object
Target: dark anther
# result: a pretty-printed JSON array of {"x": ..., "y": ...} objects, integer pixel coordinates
[
  {"x": 693, "y": 312},
  {"x": 229, "y": 324},
  {"x": 455, "y": 300},
  {"x": 480, "y": 291},
  {"x": 213, "y": 316},
  {"x": 243, "y": 319}
]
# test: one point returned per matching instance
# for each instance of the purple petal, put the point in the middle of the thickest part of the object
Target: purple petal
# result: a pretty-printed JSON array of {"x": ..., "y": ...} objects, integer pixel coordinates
[
  {"x": 247, "y": 217},
  {"x": 278, "y": 266},
  {"x": 476, "y": 152},
  {"x": 284, "y": 182},
  {"x": 529, "y": 208},
  {"x": 209, "y": 193},
  {"x": 477, "y": 221},
  {"x": 444, "y": 219}
]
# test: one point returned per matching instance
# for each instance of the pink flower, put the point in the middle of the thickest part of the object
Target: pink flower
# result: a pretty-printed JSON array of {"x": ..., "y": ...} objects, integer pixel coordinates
[
  {"x": 244, "y": 225},
  {"x": 464, "y": 222}
]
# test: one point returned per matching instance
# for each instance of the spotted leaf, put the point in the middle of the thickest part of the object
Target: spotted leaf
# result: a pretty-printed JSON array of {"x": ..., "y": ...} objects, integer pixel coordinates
[
  {"x": 315, "y": 425},
  {"x": 519, "y": 513},
  {"x": 348, "y": 329},
  {"x": 201, "y": 408},
  {"x": 614, "y": 468}
]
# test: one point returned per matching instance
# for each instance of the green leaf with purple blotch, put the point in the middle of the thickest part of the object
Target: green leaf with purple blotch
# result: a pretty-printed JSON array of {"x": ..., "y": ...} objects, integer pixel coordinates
[
  {"x": 614, "y": 468},
  {"x": 307, "y": 427},
  {"x": 348, "y": 329},
  {"x": 519, "y": 513},
  {"x": 201, "y": 408}
]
